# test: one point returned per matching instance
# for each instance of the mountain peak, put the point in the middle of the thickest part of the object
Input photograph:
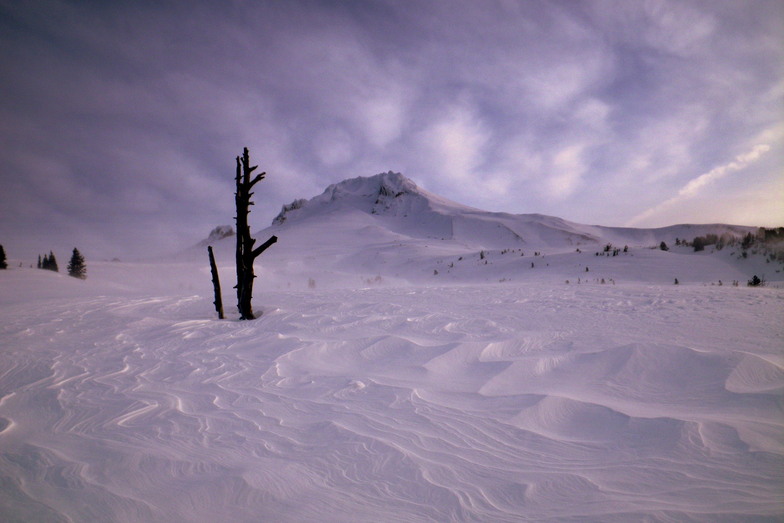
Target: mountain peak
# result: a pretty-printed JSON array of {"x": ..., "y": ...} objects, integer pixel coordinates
[
  {"x": 383, "y": 184},
  {"x": 218, "y": 233},
  {"x": 372, "y": 194}
]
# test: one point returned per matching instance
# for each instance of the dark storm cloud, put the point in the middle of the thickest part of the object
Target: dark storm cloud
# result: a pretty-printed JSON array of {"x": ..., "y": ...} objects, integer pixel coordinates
[{"x": 120, "y": 123}]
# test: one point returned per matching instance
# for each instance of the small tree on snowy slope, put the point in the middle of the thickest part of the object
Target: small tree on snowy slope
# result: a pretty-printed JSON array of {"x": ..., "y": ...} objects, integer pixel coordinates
[
  {"x": 246, "y": 254},
  {"x": 50, "y": 262},
  {"x": 76, "y": 266},
  {"x": 3, "y": 262}
]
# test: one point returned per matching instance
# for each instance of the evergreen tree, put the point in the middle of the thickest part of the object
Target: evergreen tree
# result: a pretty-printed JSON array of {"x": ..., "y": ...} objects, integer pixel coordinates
[
  {"x": 45, "y": 262},
  {"x": 52, "y": 265},
  {"x": 39, "y": 262},
  {"x": 3, "y": 262},
  {"x": 76, "y": 266},
  {"x": 663, "y": 246}
]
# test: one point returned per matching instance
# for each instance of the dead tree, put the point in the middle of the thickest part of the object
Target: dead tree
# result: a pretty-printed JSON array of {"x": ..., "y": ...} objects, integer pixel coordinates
[
  {"x": 246, "y": 254},
  {"x": 216, "y": 284}
]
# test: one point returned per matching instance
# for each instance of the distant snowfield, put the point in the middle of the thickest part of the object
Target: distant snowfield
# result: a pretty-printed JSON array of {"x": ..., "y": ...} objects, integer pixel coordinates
[{"x": 123, "y": 398}]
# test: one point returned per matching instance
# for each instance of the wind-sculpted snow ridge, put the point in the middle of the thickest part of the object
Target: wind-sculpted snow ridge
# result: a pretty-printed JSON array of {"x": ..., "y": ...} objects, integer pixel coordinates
[{"x": 473, "y": 403}]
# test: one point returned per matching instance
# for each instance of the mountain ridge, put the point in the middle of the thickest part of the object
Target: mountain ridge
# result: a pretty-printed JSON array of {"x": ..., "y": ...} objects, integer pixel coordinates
[
  {"x": 393, "y": 195},
  {"x": 367, "y": 230}
]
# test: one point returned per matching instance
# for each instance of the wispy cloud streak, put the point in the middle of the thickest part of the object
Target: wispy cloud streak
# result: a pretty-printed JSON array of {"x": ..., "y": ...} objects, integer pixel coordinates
[{"x": 692, "y": 188}]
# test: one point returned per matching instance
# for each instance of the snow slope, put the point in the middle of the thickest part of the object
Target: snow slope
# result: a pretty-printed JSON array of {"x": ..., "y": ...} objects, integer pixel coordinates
[
  {"x": 385, "y": 392},
  {"x": 397, "y": 203},
  {"x": 386, "y": 227}
]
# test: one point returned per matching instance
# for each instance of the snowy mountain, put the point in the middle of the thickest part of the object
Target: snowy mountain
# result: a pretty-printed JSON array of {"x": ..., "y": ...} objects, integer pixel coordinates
[
  {"x": 385, "y": 227},
  {"x": 398, "y": 204}
]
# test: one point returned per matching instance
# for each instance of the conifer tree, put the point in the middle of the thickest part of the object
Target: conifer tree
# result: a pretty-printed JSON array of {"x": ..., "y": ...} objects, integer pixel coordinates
[
  {"x": 76, "y": 266},
  {"x": 39, "y": 262},
  {"x": 3, "y": 262},
  {"x": 53, "y": 263}
]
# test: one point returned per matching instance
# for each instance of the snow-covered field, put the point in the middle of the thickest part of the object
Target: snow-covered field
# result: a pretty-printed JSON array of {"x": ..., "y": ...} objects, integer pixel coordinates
[
  {"x": 486, "y": 392},
  {"x": 487, "y": 403}
]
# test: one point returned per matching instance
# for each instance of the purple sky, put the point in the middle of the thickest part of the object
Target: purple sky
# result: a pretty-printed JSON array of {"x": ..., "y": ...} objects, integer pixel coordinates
[{"x": 120, "y": 121}]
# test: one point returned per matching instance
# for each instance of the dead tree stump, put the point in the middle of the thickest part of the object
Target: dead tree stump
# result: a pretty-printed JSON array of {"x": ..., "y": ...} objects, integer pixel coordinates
[
  {"x": 216, "y": 284},
  {"x": 245, "y": 253}
]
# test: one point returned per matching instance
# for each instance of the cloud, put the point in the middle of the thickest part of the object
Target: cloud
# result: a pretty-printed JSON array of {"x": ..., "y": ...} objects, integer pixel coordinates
[
  {"x": 382, "y": 111},
  {"x": 671, "y": 27},
  {"x": 568, "y": 169},
  {"x": 334, "y": 147},
  {"x": 694, "y": 186},
  {"x": 456, "y": 142}
]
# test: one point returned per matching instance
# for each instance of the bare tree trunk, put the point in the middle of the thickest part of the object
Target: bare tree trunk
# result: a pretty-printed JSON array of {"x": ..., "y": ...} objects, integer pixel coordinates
[
  {"x": 245, "y": 254},
  {"x": 216, "y": 284}
]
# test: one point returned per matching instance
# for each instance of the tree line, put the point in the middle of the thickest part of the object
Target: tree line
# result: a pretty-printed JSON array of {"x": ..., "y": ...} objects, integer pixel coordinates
[
  {"x": 764, "y": 237},
  {"x": 76, "y": 266}
]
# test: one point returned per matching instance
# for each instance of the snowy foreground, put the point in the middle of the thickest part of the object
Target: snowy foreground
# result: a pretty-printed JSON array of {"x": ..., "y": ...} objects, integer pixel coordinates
[
  {"x": 498, "y": 402},
  {"x": 416, "y": 360}
]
